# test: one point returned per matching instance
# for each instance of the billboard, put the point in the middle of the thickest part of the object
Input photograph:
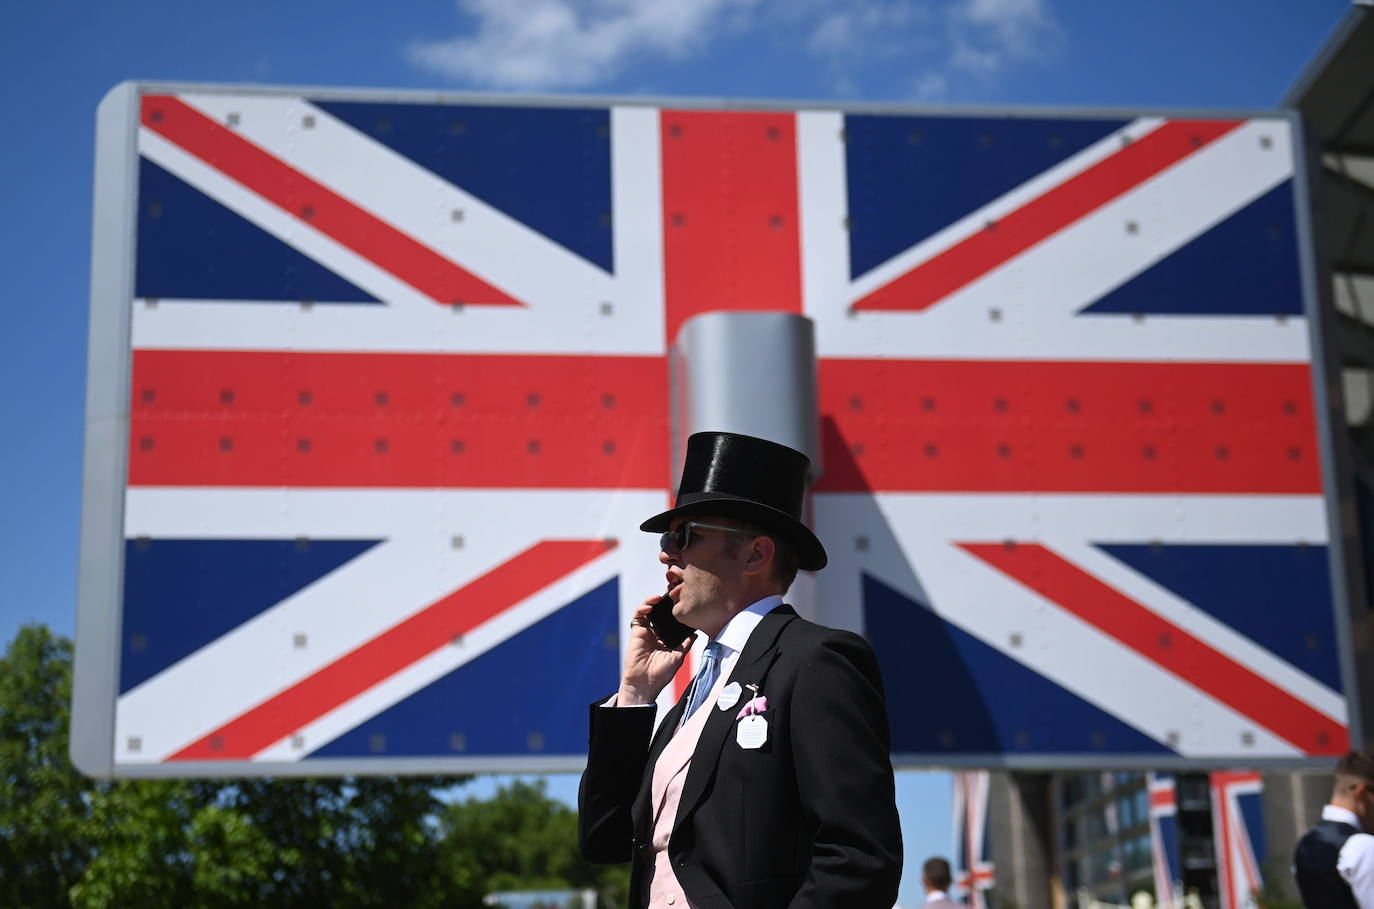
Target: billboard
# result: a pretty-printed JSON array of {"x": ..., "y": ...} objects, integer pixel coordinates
[{"x": 379, "y": 393}]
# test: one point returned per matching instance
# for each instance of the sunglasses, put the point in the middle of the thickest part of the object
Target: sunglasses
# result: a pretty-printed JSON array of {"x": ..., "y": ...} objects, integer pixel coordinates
[{"x": 680, "y": 538}]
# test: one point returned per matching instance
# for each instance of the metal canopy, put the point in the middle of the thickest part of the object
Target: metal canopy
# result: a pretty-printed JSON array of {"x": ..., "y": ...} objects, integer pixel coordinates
[{"x": 1336, "y": 97}]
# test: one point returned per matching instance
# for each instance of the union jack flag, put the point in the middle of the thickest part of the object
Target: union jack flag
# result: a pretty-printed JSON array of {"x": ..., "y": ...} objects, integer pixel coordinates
[
  {"x": 1164, "y": 847},
  {"x": 399, "y": 399},
  {"x": 973, "y": 866},
  {"x": 1238, "y": 829}
]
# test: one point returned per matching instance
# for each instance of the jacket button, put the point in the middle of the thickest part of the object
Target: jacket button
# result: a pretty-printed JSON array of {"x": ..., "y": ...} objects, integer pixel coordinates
[{"x": 670, "y": 899}]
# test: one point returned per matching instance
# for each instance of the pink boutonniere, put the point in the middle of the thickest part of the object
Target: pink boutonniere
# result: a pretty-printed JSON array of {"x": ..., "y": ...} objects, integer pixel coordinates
[{"x": 756, "y": 705}]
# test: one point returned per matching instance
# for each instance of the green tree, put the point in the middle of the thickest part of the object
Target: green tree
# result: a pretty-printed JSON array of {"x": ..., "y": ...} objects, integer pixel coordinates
[
  {"x": 520, "y": 839},
  {"x": 352, "y": 842},
  {"x": 42, "y": 798}
]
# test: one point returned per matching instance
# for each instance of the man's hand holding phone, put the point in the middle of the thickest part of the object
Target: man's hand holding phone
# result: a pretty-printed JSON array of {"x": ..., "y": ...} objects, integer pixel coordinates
[{"x": 650, "y": 663}]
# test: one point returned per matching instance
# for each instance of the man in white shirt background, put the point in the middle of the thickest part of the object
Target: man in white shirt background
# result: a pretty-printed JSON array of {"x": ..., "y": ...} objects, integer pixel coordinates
[
  {"x": 1334, "y": 861},
  {"x": 935, "y": 878}
]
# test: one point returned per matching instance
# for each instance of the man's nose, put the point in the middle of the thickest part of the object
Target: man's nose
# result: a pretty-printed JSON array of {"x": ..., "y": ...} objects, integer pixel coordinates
[{"x": 664, "y": 557}]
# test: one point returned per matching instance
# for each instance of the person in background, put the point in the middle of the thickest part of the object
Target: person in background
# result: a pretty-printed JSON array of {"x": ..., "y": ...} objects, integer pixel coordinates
[
  {"x": 1334, "y": 861},
  {"x": 935, "y": 878}
]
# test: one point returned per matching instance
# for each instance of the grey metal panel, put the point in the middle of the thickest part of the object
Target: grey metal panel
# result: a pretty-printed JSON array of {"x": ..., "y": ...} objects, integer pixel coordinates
[
  {"x": 326, "y": 93},
  {"x": 100, "y": 580},
  {"x": 1335, "y": 89},
  {"x": 747, "y": 372}
]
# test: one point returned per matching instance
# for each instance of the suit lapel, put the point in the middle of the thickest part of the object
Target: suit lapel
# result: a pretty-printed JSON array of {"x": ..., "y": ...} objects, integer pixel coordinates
[{"x": 752, "y": 665}]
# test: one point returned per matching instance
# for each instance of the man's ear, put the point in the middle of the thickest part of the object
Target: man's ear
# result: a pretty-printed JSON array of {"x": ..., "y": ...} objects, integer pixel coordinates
[{"x": 759, "y": 557}]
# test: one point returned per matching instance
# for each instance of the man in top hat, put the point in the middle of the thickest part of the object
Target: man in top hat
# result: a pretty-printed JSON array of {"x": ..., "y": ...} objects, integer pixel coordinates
[{"x": 769, "y": 784}]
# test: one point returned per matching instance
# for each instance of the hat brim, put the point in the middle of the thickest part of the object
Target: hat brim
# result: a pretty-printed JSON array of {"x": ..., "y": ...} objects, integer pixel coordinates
[{"x": 810, "y": 553}]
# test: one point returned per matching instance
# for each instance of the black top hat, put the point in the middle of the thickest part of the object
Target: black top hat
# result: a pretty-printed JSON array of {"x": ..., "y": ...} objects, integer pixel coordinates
[{"x": 751, "y": 479}]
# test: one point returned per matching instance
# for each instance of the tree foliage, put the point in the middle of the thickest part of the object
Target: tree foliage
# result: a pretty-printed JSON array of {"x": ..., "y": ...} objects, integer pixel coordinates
[{"x": 351, "y": 842}]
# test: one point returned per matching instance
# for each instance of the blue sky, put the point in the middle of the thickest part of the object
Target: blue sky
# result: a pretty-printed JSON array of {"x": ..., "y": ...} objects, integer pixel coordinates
[{"x": 57, "y": 59}]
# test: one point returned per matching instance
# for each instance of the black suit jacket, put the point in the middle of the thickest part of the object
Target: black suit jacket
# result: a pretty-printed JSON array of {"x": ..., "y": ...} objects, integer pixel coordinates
[{"x": 807, "y": 820}]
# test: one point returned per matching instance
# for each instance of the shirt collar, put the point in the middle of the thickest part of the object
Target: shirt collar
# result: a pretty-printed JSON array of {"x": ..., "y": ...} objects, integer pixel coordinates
[
  {"x": 736, "y": 632},
  {"x": 934, "y": 895},
  {"x": 1344, "y": 815}
]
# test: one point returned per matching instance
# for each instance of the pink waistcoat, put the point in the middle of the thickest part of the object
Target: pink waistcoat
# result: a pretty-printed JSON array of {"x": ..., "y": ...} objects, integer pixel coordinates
[{"x": 669, "y": 774}]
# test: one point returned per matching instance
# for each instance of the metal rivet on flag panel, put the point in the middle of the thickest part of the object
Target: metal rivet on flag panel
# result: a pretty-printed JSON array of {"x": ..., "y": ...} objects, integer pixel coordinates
[
  {"x": 1247, "y": 739},
  {"x": 994, "y": 315},
  {"x": 308, "y": 122},
  {"x": 298, "y": 742},
  {"x": 456, "y": 542},
  {"x": 376, "y": 742},
  {"x": 217, "y": 743},
  {"x": 608, "y": 447},
  {"x": 456, "y": 215},
  {"x": 932, "y": 450},
  {"x": 607, "y": 309},
  {"x": 1015, "y": 639},
  {"x": 302, "y": 544},
  {"x": 135, "y": 744},
  {"x": 154, "y": 209},
  {"x": 226, "y": 443},
  {"x": 226, "y": 396},
  {"x": 861, "y": 544},
  {"x": 382, "y": 399},
  {"x": 536, "y": 741},
  {"x": 138, "y": 643},
  {"x": 303, "y": 445},
  {"x": 457, "y": 742},
  {"x": 1132, "y": 228},
  {"x": 233, "y": 119},
  {"x": 945, "y": 738},
  {"x": 456, "y": 641},
  {"x": 298, "y": 641}
]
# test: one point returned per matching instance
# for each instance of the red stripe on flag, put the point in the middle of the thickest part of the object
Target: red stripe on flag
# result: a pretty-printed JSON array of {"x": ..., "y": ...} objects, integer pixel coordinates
[
  {"x": 395, "y": 649},
  {"x": 315, "y": 204},
  {"x": 1014, "y": 233},
  {"x": 730, "y": 235},
  {"x": 1172, "y": 648},
  {"x": 248, "y": 418},
  {"x": 966, "y": 426}
]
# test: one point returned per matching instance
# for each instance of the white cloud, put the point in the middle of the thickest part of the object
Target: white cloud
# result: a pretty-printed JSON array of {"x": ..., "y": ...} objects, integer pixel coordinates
[
  {"x": 525, "y": 44},
  {"x": 937, "y": 48}
]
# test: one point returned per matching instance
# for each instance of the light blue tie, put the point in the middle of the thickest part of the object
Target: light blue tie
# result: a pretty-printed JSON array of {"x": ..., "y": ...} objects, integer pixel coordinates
[{"x": 705, "y": 680}]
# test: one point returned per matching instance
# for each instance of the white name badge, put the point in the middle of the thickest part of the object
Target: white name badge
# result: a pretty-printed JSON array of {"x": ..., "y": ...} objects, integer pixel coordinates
[
  {"x": 728, "y": 697},
  {"x": 752, "y": 731}
]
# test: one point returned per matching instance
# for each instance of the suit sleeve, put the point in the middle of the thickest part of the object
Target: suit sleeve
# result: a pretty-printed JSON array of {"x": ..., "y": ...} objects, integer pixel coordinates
[
  {"x": 840, "y": 743},
  {"x": 617, "y": 752}
]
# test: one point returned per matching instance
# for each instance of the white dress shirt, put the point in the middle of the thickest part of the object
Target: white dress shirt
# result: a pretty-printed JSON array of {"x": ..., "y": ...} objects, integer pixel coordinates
[{"x": 1356, "y": 861}]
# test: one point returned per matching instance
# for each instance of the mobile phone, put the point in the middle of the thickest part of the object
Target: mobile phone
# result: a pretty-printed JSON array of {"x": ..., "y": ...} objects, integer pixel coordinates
[{"x": 669, "y": 630}]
